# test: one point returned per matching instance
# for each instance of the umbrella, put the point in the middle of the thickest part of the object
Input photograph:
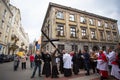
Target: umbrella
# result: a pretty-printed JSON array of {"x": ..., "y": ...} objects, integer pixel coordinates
[{"x": 21, "y": 54}]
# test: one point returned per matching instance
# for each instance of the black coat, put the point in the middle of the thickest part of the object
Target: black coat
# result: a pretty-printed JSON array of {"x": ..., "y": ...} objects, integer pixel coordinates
[
  {"x": 61, "y": 69},
  {"x": 38, "y": 60},
  {"x": 80, "y": 61},
  {"x": 46, "y": 66},
  {"x": 75, "y": 61}
]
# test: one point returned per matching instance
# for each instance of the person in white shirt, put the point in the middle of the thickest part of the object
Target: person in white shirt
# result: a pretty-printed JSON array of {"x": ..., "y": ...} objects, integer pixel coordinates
[
  {"x": 111, "y": 57},
  {"x": 67, "y": 64}
]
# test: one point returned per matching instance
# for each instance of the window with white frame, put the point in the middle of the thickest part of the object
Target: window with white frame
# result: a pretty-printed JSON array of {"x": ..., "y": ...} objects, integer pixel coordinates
[
  {"x": 72, "y": 17},
  {"x": 5, "y": 13},
  {"x": 106, "y": 25},
  {"x": 115, "y": 35},
  {"x": 7, "y": 30},
  {"x": 91, "y": 21},
  {"x": 101, "y": 35},
  {"x": 99, "y": 23},
  {"x": 10, "y": 20},
  {"x": 93, "y": 35},
  {"x": 113, "y": 26},
  {"x": 82, "y": 19},
  {"x": 60, "y": 30},
  {"x": 3, "y": 24},
  {"x": 83, "y": 32},
  {"x": 108, "y": 36},
  {"x": 60, "y": 15},
  {"x": 72, "y": 31}
]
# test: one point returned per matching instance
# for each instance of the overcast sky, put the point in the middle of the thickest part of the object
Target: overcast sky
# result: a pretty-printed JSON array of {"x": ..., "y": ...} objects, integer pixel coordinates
[{"x": 33, "y": 11}]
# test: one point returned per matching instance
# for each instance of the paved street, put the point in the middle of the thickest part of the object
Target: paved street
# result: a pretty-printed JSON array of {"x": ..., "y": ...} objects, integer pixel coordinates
[{"x": 7, "y": 73}]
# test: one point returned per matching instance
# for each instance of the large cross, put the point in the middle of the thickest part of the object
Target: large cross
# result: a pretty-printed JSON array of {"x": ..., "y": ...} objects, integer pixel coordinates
[{"x": 49, "y": 40}]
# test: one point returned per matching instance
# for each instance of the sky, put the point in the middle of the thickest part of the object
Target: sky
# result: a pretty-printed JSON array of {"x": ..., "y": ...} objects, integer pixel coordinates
[{"x": 33, "y": 11}]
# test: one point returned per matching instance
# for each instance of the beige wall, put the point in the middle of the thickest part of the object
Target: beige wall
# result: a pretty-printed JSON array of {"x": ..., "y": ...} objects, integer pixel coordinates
[
  {"x": 67, "y": 40},
  {"x": 12, "y": 20},
  {"x": 5, "y": 25}
]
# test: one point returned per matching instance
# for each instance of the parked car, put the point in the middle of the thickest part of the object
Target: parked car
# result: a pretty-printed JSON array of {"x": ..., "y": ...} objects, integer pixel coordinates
[
  {"x": 1, "y": 58},
  {"x": 8, "y": 58}
]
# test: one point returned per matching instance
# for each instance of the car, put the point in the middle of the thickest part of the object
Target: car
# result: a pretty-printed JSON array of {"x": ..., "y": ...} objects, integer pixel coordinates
[
  {"x": 5, "y": 58},
  {"x": 1, "y": 58}
]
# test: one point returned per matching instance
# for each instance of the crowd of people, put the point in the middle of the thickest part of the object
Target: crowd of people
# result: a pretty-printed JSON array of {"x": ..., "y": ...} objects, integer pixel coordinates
[{"x": 103, "y": 62}]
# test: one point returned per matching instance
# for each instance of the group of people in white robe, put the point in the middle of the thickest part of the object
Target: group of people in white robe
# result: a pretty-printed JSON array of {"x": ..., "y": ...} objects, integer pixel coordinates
[{"x": 108, "y": 63}]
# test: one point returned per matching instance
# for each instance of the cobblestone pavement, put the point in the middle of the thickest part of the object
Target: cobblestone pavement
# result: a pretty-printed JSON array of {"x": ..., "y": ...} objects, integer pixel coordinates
[{"x": 7, "y": 73}]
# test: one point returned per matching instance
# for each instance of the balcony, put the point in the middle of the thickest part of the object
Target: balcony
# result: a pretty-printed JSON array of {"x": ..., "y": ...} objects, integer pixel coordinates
[
  {"x": 102, "y": 39},
  {"x": 85, "y": 37},
  {"x": 14, "y": 37},
  {"x": 94, "y": 38}
]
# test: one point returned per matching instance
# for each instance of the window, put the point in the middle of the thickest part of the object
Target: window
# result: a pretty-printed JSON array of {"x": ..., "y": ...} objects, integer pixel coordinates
[
  {"x": 74, "y": 48},
  {"x": 93, "y": 34},
  {"x": 82, "y": 20},
  {"x": 5, "y": 13},
  {"x": 0, "y": 34},
  {"x": 3, "y": 24},
  {"x": 7, "y": 30},
  {"x": 101, "y": 35},
  {"x": 113, "y": 26},
  {"x": 106, "y": 25},
  {"x": 83, "y": 32},
  {"x": 99, "y": 23},
  {"x": 60, "y": 30},
  {"x": 61, "y": 47},
  {"x": 108, "y": 36},
  {"x": 10, "y": 20},
  {"x": 115, "y": 36},
  {"x": 85, "y": 47},
  {"x": 60, "y": 15},
  {"x": 72, "y": 17},
  {"x": 91, "y": 21},
  {"x": 73, "y": 32},
  {"x": 84, "y": 36}
]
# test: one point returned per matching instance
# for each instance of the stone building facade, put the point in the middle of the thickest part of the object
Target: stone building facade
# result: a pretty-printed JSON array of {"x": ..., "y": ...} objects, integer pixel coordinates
[
  {"x": 12, "y": 34},
  {"x": 5, "y": 25},
  {"x": 78, "y": 29}
]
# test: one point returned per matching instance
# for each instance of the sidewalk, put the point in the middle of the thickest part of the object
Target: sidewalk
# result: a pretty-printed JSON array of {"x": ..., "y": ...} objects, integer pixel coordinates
[{"x": 80, "y": 76}]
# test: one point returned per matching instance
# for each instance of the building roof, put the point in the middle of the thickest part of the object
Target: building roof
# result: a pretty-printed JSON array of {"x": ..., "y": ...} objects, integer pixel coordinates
[
  {"x": 75, "y": 10},
  {"x": 80, "y": 11}
]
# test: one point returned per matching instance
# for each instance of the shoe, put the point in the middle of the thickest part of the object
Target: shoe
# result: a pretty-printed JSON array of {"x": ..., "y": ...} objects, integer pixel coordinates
[
  {"x": 87, "y": 74},
  {"x": 40, "y": 76},
  {"x": 56, "y": 76},
  {"x": 31, "y": 77}
]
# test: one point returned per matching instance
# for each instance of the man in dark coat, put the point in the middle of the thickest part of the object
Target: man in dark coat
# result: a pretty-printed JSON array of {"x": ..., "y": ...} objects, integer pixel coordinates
[
  {"x": 80, "y": 61},
  {"x": 37, "y": 64},
  {"x": 54, "y": 64},
  {"x": 86, "y": 58},
  {"x": 75, "y": 61},
  {"x": 46, "y": 67},
  {"x": 61, "y": 69}
]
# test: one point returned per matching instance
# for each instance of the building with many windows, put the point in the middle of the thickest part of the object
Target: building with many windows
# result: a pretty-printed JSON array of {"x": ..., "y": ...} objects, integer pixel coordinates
[
  {"x": 78, "y": 29},
  {"x": 5, "y": 25},
  {"x": 12, "y": 35}
]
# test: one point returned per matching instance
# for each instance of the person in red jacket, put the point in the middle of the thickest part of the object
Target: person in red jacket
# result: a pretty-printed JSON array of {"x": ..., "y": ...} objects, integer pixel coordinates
[{"x": 32, "y": 60}]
